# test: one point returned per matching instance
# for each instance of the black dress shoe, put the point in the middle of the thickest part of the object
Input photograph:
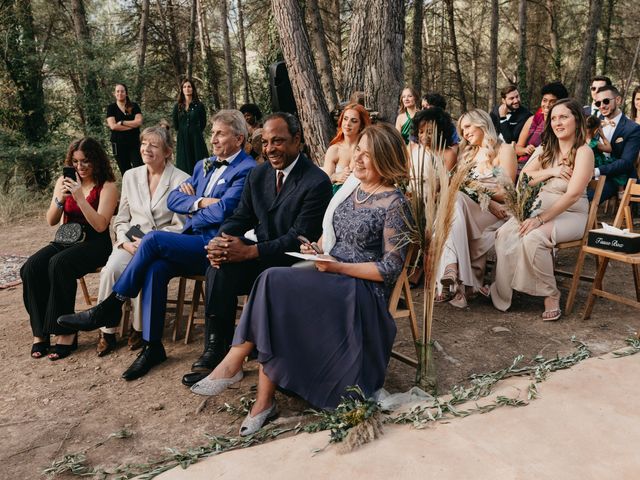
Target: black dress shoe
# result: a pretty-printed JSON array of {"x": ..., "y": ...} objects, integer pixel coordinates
[
  {"x": 106, "y": 314},
  {"x": 217, "y": 348},
  {"x": 152, "y": 354},
  {"x": 192, "y": 378}
]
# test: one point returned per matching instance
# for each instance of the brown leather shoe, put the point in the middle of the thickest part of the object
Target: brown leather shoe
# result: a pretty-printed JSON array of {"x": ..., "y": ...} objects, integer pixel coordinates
[
  {"x": 135, "y": 339},
  {"x": 106, "y": 344}
]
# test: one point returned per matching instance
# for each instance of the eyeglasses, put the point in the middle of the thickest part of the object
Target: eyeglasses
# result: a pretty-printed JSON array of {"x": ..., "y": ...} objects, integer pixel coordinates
[
  {"x": 604, "y": 101},
  {"x": 83, "y": 163}
]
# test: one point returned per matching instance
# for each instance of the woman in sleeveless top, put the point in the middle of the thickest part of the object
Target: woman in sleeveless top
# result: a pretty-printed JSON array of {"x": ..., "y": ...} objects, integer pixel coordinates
[
  {"x": 524, "y": 251},
  {"x": 461, "y": 270},
  {"x": 408, "y": 108},
  {"x": 531, "y": 134},
  {"x": 337, "y": 161},
  {"x": 49, "y": 276}
]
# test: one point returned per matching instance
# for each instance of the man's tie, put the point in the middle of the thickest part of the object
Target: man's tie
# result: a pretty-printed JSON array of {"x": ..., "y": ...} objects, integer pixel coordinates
[
  {"x": 279, "y": 181},
  {"x": 220, "y": 163}
]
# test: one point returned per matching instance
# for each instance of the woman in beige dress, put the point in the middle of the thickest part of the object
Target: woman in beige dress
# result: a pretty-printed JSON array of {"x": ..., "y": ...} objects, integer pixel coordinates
[
  {"x": 143, "y": 203},
  {"x": 462, "y": 265},
  {"x": 524, "y": 251}
]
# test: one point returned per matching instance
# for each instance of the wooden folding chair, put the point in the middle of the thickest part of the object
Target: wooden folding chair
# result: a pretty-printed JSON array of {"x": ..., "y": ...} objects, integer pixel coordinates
[
  {"x": 623, "y": 218},
  {"x": 402, "y": 287},
  {"x": 592, "y": 222}
]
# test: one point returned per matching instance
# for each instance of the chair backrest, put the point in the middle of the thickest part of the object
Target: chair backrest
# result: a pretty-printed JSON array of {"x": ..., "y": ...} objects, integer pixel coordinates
[
  {"x": 592, "y": 220},
  {"x": 631, "y": 195}
]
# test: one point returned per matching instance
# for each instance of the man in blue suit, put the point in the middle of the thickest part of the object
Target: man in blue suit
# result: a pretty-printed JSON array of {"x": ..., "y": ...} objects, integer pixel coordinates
[
  {"x": 624, "y": 136},
  {"x": 208, "y": 197}
]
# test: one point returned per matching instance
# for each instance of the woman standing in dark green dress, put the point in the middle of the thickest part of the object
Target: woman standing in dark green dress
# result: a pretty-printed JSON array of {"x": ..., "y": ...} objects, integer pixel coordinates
[{"x": 189, "y": 120}]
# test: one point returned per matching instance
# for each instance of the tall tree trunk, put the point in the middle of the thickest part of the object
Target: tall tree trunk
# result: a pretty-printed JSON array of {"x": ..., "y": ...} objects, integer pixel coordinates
[
  {"x": 243, "y": 53},
  {"x": 192, "y": 39},
  {"x": 209, "y": 66},
  {"x": 168, "y": 23},
  {"x": 330, "y": 10},
  {"x": 523, "y": 88},
  {"x": 589, "y": 51},
  {"x": 228, "y": 61},
  {"x": 142, "y": 49},
  {"x": 493, "y": 55},
  {"x": 416, "y": 45},
  {"x": 556, "y": 52},
  {"x": 91, "y": 108},
  {"x": 456, "y": 57},
  {"x": 307, "y": 92},
  {"x": 319, "y": 48},
  {"x": 353, "y": 78},
  {"x": 384, "y": 76},
  {"x": 607, "y": 36}
]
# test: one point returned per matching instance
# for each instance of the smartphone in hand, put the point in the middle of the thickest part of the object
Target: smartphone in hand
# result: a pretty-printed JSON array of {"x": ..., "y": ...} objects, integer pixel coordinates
[{"x": 69, "y": 172}]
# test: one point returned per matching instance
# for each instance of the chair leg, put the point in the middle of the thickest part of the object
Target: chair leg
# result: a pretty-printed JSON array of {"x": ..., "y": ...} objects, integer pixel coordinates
[
  {"x": 85, "y": 292},
  {"x": 575, "y": 281},
  {"x": 195, "y": 303},
  {"x": 126, "y": 316},
  {"x": 179, "y": 307},
  {"x": 597, "y": 284}
]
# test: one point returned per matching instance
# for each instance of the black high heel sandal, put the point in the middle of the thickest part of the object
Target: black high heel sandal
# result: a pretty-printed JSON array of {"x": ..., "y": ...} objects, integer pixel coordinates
[
  {"x": 40, "y": 349},
  {"x": 62, "y": 351}
]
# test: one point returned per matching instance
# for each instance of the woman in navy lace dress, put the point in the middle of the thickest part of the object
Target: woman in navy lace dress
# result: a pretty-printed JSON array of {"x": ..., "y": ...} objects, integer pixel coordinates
[{"x": 319, "y": 331}]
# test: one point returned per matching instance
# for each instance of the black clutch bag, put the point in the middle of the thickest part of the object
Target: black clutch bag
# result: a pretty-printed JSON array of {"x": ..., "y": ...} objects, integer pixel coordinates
[
  {"x": 69, "y": 234},
  {"x": 134, "y": 231}
]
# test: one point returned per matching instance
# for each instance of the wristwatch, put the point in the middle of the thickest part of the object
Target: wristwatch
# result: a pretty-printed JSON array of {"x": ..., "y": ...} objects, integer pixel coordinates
[{"x": 58, "y": 203}]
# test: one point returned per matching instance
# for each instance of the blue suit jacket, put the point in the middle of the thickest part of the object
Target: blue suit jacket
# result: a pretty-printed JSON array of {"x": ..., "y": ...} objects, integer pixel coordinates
[
  {"x": 625, "y": 145},
  {"x": 228, "y": 189}
]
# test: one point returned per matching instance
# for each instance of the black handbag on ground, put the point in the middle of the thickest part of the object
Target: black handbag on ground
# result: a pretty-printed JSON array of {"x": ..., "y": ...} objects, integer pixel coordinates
[
  {"x": 134, "y": 231},
  {"x": 69, "y": 234}
]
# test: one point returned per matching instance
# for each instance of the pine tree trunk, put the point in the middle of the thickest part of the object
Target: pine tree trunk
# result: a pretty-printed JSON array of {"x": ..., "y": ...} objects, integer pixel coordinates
[
  {"x": 553, "y": 41},
  {"x": 209, "y": 66},
  {"x": 416, "y": 45},
  {"x": 353, "y": 77},
  {"x": 607, "y": 36},
  {"x": 243, "y": 53},
  {"x": 493, "y": 55},
  {"x": 92, "y": 111},
  {"x": 192, "y": 39},
  {"x": 307, "y": 92},
  {"x": 522, "y": 52},
  {"x": 321, "y": 53},
  {"x": 330, "y": 11},
  {"x": 589, "y": 51},
  {"x": 456, "y": 56},
  {"x": 228, "y": 61},
  {"x": 168, "y": 25},
  {"x": 142, "y": 49}
]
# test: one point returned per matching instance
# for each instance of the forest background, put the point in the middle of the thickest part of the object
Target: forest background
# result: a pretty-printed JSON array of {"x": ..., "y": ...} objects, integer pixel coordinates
[{"x": 61, "y": 59}]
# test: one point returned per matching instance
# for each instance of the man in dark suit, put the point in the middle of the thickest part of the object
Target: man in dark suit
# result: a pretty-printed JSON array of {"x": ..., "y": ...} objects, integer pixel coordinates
[
  {"x": 282, "y": 199},
  {"x": 208, "y": 197},
  {"x": 596, "y": 82},
  {"x": 624, "y": 136},
  {"x": 510, "y": 116}
]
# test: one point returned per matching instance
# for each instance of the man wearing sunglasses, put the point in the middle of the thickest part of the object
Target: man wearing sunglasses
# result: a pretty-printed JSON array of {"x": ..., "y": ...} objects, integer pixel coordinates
[
  {"x": 622, "y": 133},
  {"x": 596, "y": 82}
]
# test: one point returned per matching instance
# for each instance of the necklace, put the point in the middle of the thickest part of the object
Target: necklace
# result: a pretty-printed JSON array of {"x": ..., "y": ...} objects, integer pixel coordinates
[{"x": 359, "y": 190}]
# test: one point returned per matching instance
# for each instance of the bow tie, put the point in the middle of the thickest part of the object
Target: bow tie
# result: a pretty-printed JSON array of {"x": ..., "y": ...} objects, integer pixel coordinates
[
  {"x": 608, "y": 123},
  {"x": 219, "y": 163}
]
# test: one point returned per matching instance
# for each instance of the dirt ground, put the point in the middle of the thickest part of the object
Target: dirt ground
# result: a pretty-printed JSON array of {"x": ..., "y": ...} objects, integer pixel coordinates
[{"x": 49, "y": 409}]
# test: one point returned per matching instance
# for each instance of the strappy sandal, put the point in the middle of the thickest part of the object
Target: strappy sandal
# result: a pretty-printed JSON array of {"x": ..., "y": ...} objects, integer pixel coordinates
[
  {"x": 442, "y": 297},
  {"x": 551, "y": 315},
  {"x": 40, "y": 349},
  {"x": 485, "y": 291},
  {"x": 459, "y": 300},
  {"x": 450, "y": 275},
  {"x": 61, "y": 351}
]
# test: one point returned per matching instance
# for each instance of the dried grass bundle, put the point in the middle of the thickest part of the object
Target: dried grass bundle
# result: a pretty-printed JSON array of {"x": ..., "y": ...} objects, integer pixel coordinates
[{"x": 521, "y": 200}]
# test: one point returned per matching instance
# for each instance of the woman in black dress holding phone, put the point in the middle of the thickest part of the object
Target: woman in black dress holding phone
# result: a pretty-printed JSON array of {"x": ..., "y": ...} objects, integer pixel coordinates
[{"x": 124, "y": 119}]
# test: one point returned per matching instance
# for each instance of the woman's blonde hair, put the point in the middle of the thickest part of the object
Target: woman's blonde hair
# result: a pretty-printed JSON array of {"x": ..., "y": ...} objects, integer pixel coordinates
[
  {"x": 550, "y": 144},
  {"x": 480, "y": 119},
  {"x": 388, "y": 152},
  {"x": 163, "y": 132}
]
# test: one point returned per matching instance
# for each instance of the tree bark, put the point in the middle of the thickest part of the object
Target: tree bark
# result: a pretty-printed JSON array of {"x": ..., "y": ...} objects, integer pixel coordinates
[
  {"x": 493, "y": 55},
  {"x": 556, "y": 53},
  {"x": 307, "y": 92},
  {"x": 192, "y": 39},
  {"x": 243, "y": 53},
  {"x": 587, "y": 60},
  {"x": 209, "y": 66},
  {"x": 456, "y": 57},
  {"x": 228, "y": 61},
  {"x": 168, "y": 22},
  {"x": 142, "y": 49},
  {"x": 331, "y": 19},
  {"x": 353, "y": 78},
  {"x": 416, "y": 45},
  {"x": 321, "y": 53},
  {"x": 607, "y": 36},
  {"x": 91, "y": 110},
  {"x": 522, "y": 52}
]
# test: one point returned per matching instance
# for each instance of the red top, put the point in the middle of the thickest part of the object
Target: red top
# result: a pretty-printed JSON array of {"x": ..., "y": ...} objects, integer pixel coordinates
[{"x": 72, "y": 212}]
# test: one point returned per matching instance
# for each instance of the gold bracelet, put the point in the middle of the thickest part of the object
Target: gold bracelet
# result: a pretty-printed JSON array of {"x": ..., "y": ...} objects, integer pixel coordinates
[{"x": 540, "y": 220}]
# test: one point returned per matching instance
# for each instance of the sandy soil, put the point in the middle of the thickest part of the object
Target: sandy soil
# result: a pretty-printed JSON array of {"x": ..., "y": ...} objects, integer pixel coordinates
[{"x": 49, "y": 409}]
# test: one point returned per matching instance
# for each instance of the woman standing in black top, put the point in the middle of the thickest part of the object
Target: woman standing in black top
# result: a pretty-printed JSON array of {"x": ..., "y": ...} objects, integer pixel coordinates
[{"x": 124, "y": 119}]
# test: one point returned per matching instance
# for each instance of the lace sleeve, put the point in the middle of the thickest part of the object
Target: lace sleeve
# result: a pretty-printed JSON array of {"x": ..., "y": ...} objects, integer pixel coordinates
[{"x": 395, "y": 228}]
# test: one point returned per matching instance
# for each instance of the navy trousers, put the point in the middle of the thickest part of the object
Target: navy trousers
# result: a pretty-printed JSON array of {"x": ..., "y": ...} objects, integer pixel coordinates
[{"x": 160, "y": 257}]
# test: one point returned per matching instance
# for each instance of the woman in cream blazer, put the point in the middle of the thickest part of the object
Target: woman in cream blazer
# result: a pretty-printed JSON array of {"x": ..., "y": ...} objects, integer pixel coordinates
[{"x": 143, "y": 203}]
